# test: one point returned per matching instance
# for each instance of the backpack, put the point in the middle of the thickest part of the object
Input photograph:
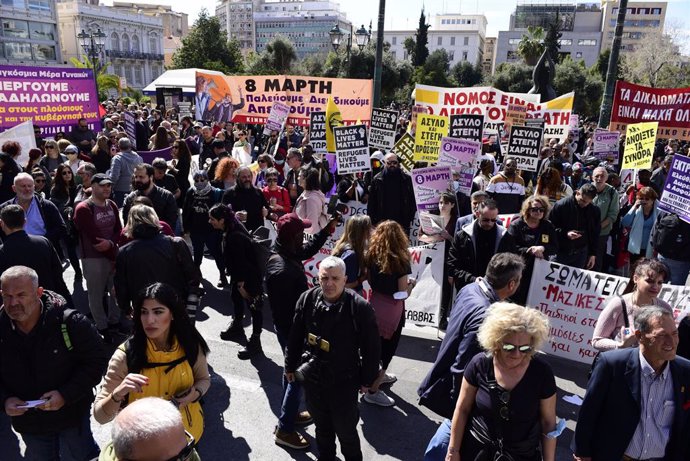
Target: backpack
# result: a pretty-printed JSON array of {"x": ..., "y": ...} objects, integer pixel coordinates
[
  {"x": 261, "y": 245},
  {"x": 672, "y": 237}
]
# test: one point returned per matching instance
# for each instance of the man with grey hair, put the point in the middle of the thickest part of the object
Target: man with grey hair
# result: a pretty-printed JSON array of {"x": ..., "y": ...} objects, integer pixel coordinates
[
  {"x": 122, "y": 168},
  {"x": 334, "y": 350},
  {"x": 51, "y": 358},
  {"x": 440, "y": 389},
  {"x": 149, "y": 428},
  {"x": 608, "y": 202},
  {"x": 636, "y": 404},
  {"x": 246, "y": 200}
]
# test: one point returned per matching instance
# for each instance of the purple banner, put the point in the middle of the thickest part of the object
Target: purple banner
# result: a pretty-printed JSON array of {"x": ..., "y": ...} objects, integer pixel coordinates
[
  {"x": 676, "y": 195},
  {"x": 605, "y": 145},
  {"x": 54, "y": 98},
  {"x": 149, "y": 155}
]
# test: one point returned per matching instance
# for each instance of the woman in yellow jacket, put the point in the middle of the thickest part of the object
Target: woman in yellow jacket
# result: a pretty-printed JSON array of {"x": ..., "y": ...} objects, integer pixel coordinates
[{"x": 165, "y": 357}]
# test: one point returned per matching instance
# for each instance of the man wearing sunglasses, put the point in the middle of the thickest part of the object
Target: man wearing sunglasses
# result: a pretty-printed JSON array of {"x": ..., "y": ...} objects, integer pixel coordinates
[
  {"x": 476, "y": 243},
  {"x": 150, "y": 429},
  {"x": 391, "y": 195}
]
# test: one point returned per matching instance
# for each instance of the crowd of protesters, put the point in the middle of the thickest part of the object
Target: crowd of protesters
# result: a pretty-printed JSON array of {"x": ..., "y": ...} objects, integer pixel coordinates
[{"x": 136, "y": 232}]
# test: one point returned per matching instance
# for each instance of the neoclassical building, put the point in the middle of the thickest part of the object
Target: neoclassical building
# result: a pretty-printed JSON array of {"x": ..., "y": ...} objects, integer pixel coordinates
[{"x": 133, "y": 41}]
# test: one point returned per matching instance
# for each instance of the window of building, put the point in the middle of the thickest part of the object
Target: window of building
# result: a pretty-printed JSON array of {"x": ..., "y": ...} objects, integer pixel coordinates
[
  {"x": 451, "y": 56},
  {"x": 586, "y": 42},
  {"x": 656, "y": 10},
  {"x": 117, "y": 69},
  {"x": 565, "y": 42},
  {"x": 511, "y": 55},
  {"x": 135, "y": 44},
  {"x": 466, "y": 41},
  {"x": 125, "y": 43},
  {"x": 452, "y": 41},
  {"x": 128, "y": 73},
  {"x": 42, "y": 31},
  {"x": 19, "y": 51},
  {"x": 394, "y": 40},
  {"x": 513, "y": 41},
  {"x": 153, "y": 43},
  {"x": 44, "y": 52},
  {"x": 155, "y": 71},
  {"x": 464, "y": 55},
  {"x": 578, "y": 54},
  {"x": 14, "y": 28},
  {"x": 439, "y": 41},
  {"x": 39, "y": 5},
  {"x": 137, "y": 75}
]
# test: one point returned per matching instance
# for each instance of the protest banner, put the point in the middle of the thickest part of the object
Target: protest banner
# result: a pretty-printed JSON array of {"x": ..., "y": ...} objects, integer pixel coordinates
[
  {"x": 149, "y": 155},
  {"x": 524, "y": 146},
  {"x": 404, "y": 149},
  {"x": 428, "y": 184},
  {"x": 461, "y": 156},
  {"x": 574, "y": 128},
  {"x": 317, "y": 131},
  {"x": 676, "y": 194},
  {"x": 467, "y": 126},
  {"x": 333, "y": 119},
  {"x": 573, "y": 298},
  {"x": 382, "y": 129},
  {"x": 351, "y": 149},
  {"x": 130, "y": 126},
  {"x": 251, "y": 97},
  {"x": 535, "y": 123},
  {"x": 427, "y": 142},
  {"x": 639, "y": 145},
  {"x": 276, "y": 118},
  {"x": 605, "y": 145},
  {"x": 22, "y": 133},
  {"x": 53, "y": 98},
  {"x": 636, "y": 103},
  {"x": 556, "y": 114},
  {"x": 515, "y": 116}
]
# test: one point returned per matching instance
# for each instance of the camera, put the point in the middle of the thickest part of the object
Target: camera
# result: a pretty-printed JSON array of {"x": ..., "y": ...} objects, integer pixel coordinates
[{"x": 310, "y": 369}]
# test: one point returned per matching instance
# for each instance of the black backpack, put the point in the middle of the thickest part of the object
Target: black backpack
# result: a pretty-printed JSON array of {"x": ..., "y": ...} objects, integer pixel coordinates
[{"x": 672, "y": 237}]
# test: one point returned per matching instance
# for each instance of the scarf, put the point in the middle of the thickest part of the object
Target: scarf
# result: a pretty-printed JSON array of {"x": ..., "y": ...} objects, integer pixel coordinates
[
  {"x": 204, "y": 190},
  {"x": 636, "y": 230}
]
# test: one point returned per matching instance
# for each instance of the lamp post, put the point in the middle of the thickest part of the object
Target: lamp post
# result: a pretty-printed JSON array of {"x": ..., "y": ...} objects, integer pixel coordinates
[
  {"x": 362, "y": 37},
  {"x": 378, "y": 64},
  {"x": 92, "y": 43}
]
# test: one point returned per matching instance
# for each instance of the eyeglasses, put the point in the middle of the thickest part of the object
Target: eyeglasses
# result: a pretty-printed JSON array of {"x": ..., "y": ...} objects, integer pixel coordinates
[
  {"x": 536, "y": 210},
  {"x": 187, "y": 451},
  {"x": 262, "y": 161},
  {"x": 65, "y": 173},
  {"x": 39, "y": 181},
  {"x": 241, "y": 134},
  {"x": 504, "y": 398},
  {"x": 523, "y": 349}
]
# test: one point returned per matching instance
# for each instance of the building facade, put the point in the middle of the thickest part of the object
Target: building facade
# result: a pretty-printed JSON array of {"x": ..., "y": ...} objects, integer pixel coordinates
[
  {"x": 580, "y": 27},
  {"x": 29, "y": 34},
  {"x": 237, "y": 19},
  {"x": 489, "y": 55},
  {"x": 641, "y": 18},
  {"x": 305, "y": 23},
  {"x": 133, "y": 45},
  {"x": 461, "y": 35}
]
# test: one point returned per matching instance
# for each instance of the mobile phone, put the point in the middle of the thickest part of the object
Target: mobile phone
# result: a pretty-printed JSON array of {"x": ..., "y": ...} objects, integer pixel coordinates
[
  {"x": 33, "y": 403},
  {"x": 332, "y": 205}
]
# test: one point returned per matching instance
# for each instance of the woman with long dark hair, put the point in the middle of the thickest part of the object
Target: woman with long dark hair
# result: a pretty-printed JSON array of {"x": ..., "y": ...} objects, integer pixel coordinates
[
  {"x": 180, "y": 165},
  {"x": 160, "y": 139},
  {"x": 242, "y": 265},
  {"x": 165, "y": 357},
  {"x": 351, "y": 248},
  {"x": 62, "y": 194},
  {"x": 389, "y": 265},
  {"x": 100, "y": 155}
]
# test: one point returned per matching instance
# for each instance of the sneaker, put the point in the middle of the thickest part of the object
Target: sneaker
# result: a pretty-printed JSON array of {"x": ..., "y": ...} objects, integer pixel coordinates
[
  {"x": 378, "y": 398},
  {"x": 303, "y": 419},
  {"x": 291, "y": 440},
  {"x": 389, "y": 378}
]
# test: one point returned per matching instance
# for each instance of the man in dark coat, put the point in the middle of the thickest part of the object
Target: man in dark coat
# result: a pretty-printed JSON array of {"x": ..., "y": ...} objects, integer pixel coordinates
[
  {"x": 247, "y": 201},
  {"x": 163, "y": 201},
  {"x": 391, "y": 195}
]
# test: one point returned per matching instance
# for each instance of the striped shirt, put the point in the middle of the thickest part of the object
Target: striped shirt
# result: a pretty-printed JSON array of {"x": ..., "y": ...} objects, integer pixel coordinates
[{"x": 653, "y": 429}]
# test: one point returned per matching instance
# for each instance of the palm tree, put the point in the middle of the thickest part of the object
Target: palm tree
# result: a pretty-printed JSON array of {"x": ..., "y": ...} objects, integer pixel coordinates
[
  {"x": 531, "y": 45},
  {"x": 105, "y": 81}
]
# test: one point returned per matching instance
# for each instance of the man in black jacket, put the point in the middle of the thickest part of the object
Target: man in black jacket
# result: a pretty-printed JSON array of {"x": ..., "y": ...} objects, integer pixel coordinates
[
  {"x": 36, "y": 252},
  {"x": 578, "y": 225},
  {"x": 286, "y": 281},
  {"x": 335, "y": 333},
  {"x": 248, "y": 202},
  {"x": 220, "y": 153},
  {"x": 391, "y": 195},
  {"x": 163, "y": 201},
  {"x": 50, "y": 360}
]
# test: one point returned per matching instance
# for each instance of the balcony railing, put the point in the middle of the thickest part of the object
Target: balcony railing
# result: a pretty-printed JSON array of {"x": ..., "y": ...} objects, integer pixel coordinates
[{"x": 134, "y": 55}]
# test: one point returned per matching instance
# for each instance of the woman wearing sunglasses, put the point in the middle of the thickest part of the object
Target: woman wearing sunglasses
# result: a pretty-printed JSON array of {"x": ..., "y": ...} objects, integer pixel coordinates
[
  {"x": 507, "y": 402},
  {"x": 535, "y": 238}
]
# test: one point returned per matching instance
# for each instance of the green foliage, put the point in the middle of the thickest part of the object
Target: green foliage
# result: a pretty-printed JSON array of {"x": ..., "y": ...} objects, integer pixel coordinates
[
  {"x": 278, "y": 58},
  {"x": 531, "y": 45},
  {"x": 435, "y": 70},
  {"x": 465, "y": 74},
  {"x": 134, "y": 94},
  {"x": 421, "y": 51},
  {"x": 409, "y": 44},
  {"x": 106, "y": 82},
  {"x": 207, "y": 47},
  {"x": 513, "y": 77},
  {"x": 574, "y": 76}
]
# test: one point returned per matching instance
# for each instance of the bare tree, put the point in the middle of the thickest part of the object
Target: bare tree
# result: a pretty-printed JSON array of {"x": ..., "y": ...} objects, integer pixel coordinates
[{"x": 644, "y": 64}]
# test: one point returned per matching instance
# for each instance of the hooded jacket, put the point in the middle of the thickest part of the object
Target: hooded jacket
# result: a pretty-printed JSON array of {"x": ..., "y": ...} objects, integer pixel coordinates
[{"x": 122, "y": 168}]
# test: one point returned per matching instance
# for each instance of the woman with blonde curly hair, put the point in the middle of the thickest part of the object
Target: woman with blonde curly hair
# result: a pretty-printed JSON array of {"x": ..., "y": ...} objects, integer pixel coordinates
[
  {"x": 507, "y": 403},
  {"x": 388, "y": 265},
  {"x": 226, "y": 173}
]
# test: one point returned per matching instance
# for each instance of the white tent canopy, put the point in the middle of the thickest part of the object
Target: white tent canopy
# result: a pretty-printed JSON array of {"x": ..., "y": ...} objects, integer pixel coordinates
[{"x": 177, "y": 78}]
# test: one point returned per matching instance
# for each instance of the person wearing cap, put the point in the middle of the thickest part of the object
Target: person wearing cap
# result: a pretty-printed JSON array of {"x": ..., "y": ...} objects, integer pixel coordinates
[
  {"x": 122, "y": 168},
  {"x": 83, "y": 136},
  {"x": 109, "y": 126},
  {"x": 576, "y": 178},
  {"x": 377, "y": 161},
  {"x": 219, "y": 152},
  {"x": 285, "y": 282},
  {"x": 487, "y": 148},
  {"x": 391, "y": 195},
  {"x": 98, "y": 222}
]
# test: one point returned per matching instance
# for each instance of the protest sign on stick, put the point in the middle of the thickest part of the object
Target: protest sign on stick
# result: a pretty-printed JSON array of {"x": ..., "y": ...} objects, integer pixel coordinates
[
  {"x": 428, "y": 184},
  {"x": 430, "y": 130},
  {"x": 467, "y": 126},
  {"x": 524, "y": 146},
  {"x": 639, "y": 145},
  {"x": 675, "y": 197},
  {"x": 605, "y": 145},
  {"x": 461, "y": 156},
  {"x": 277, "y": 117},
  {"x": 351, "y": 149},
  {"x": 382, "y": 129},
  {"x": 317, "y": 131},
  {"x": 404, "y": 149}
]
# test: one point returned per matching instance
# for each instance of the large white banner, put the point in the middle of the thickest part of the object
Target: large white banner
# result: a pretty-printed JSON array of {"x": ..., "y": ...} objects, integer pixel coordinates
[
  {"x": 24, "y": 135},
  {"x": 573, "y": 299}
]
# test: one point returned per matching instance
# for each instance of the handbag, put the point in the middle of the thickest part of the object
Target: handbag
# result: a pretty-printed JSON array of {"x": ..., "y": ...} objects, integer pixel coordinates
[
  {"x": 623, "y": 255},
  {"x": 441, "y": 396},
  {"x": 626, "y": 322}
]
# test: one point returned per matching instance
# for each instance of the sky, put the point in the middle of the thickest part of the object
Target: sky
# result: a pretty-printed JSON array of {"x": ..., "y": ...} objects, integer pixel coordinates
[{"x": 404, "y": 14}]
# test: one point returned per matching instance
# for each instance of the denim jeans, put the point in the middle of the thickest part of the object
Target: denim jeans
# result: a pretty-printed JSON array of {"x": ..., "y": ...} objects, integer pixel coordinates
[
  {"x": 71, "y": 444},
  {"x": 438, "y": 445},
  {"x": 679, "y": 269},
  {"x": 292, "y": 395}
]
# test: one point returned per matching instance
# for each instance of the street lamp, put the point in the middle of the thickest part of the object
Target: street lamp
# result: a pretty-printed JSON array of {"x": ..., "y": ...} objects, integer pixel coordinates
[
  {"x": 92, "y": 43},
  {"x": 362, "y": 37}
]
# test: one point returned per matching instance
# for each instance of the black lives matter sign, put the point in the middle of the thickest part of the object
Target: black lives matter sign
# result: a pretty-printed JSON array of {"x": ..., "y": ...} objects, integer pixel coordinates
[
  {"x": 467, "y": 126},
  {"x": 351, "y": 149},
  {"x": 524, "y": 146},
  {"x": 317, "y": 131},
  {"x": 382, "y": 131}
]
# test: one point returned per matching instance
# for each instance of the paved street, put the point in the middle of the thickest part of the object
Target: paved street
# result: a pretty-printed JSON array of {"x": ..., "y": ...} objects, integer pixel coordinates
[{"x": 242, "y": 405}]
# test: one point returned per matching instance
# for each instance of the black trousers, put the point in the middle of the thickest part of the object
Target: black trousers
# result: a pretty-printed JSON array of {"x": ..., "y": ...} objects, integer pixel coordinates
[
  {"x": 239, "y": 305},
  {"x": 336, "y": 413}
]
